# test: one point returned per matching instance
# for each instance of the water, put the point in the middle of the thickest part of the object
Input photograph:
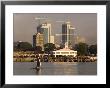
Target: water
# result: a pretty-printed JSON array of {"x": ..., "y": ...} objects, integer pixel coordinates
[{"x": 56, "y": 68}]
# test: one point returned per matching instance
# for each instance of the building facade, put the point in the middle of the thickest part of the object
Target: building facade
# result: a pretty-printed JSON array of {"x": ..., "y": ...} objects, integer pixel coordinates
[
  {"x": 52, "y": 39},
  {"x": 65, "y": 51},
  {"x": 45, "y": 29},
  {"x": 67, "y": 34},
  {"x": 38, "y": 40},
  {"x": 34, "y": 40}
]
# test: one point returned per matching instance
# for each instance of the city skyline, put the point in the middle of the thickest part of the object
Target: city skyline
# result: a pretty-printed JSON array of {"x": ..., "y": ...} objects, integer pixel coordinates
[{"x": 25, "y": 25}]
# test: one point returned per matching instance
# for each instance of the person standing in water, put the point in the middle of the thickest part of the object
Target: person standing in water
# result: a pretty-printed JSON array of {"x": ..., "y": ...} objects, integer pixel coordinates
[{"x": 38, "y": 63}]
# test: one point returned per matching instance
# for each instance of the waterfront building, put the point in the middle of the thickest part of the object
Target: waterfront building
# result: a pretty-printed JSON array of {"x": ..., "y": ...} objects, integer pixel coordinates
[
  {"x": 67, "y": 34},
  {"x": 65, "y": 51}
]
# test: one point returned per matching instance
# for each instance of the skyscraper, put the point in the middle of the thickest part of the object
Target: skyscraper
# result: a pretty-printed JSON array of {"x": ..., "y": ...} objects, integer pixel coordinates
[
  {"x": 45, "y": 29},
  {"x": 67, "y": 34}
]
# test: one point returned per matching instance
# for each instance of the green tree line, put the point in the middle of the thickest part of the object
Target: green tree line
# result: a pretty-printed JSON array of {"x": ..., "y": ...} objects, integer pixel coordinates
[{"x": 81, "y": 48}]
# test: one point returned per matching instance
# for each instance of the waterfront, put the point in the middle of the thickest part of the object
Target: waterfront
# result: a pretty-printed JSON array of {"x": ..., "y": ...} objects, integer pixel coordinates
[{"x": 55, "y": 68}]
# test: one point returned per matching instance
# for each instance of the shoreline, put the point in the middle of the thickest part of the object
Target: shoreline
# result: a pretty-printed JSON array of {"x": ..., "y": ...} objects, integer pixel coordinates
[{"x": 54, "y": 60}]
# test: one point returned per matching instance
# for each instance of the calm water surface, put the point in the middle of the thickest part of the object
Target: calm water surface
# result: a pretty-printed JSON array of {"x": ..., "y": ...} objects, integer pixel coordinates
[{"x": 55, "y": 68}]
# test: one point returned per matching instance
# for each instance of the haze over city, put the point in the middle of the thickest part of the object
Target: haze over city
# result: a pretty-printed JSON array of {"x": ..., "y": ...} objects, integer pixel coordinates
[{"x": 85, "y": 24}]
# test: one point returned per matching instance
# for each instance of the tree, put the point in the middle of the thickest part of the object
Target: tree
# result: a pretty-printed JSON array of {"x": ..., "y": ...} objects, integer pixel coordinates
[
  {"x": 22, "y": 46},
  {"x": 38, "y": 49},
  {"x": 15, "y": 46},
  {"x": 93, "y": 49},
  {"x": 48, "y": 47},
  {"x": 81, "y": 48}
]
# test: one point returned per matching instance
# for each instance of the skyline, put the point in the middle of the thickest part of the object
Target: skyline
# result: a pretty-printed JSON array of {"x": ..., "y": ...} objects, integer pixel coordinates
[{"x": 25, "y": 25}]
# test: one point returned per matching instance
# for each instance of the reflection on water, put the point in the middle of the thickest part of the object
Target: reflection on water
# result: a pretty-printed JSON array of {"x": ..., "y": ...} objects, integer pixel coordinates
[{"x": 56, "y": 68}]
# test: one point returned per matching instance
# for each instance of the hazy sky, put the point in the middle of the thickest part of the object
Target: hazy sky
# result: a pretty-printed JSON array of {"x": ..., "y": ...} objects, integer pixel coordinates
[{"x": 85, "y": 24}]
